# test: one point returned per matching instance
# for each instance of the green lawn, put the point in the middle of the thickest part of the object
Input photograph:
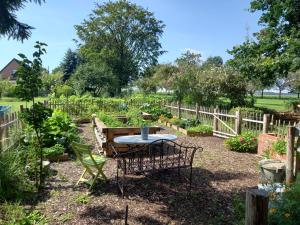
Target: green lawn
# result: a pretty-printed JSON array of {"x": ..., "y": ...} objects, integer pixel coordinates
[
  {"x": 15, "y": 103},
  {"x": 273, "y": 102}
]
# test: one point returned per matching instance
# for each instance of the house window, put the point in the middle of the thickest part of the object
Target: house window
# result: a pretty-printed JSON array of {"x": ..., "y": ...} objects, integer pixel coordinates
[{"x": 13, "y": 75}]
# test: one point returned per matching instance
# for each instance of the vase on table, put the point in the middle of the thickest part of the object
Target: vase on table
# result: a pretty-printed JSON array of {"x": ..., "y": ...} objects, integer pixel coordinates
[{"x": 144, "y": 132}]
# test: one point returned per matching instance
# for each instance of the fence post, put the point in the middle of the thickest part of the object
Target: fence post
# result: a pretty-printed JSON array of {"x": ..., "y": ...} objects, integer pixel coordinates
[
  {"x": 21, "y": 108},
  {"x": 179, "y": 109},
  {"x": 266, "y": 123},
  {"x": 238, "y": 122},
  {"x": 290, "y": 177},
  {"x": 256, "y": 207},
  {"x": 215, "y": 120},
  {"x": 197, "y": 111}
]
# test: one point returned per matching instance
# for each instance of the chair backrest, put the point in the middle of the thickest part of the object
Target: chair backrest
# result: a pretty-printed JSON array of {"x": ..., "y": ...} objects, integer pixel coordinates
[{"x": 81, "y": 150}]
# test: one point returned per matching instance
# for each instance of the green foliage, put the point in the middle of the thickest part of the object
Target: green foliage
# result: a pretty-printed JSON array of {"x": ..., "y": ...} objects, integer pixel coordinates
[
  {"x": 29, "y": 74},
  {"x": 109, "y": 120},
  {"x": 184, "y": 123},
  {"x": 202, "y": 129},
  {"x": 122, "y": 35},
  {"x": 10, "y": 26},
  {"x": 239, "y": 208},
  {"x": 286, "y": 207},
  {"x": 279, "y": 146},
  {"x": 63, "y": 89},
  {"x": 14, "y": 182},
  {"x": 233, "y": 86},
  {"x": 36, "y": 115},
  {"x": 83, "y": 199},
  {"x": 212, "y": 61},
  {"x": 69, "y": 64},
  {"x": 293, "y": 105},
  {"x": 55, "y": 150},
  {"x": 155, "y": 110},
  {"x": 96, "y": 78},
  {"x": 135, "y": 118},
  {"x": 59, "y": 128},
  {"x": 246, "y": 142},
  {"x": 16, "y": 214},
  {"x": 7, "y": 88},
  {"x": 50, "y": 81}
]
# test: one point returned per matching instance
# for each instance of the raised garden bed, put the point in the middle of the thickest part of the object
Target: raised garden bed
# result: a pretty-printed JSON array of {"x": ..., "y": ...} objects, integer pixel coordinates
[
  {"x": 186, "y": 131},
  {"x": 105, "y": 135},
  {"x": 59, "y": 158},
  {"x": 265, "y": 145}
]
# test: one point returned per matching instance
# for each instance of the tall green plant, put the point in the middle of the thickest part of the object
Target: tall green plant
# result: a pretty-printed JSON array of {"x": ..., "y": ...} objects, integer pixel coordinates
[{"x": 29, "y": 83}]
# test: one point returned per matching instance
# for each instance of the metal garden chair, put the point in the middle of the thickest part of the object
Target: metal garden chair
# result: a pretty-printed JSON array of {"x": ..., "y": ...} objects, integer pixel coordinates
[{"x": 90, "y": 162}]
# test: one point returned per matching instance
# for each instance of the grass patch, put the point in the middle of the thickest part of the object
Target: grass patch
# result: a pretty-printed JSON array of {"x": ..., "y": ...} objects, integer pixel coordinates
[{"x": 15, "y": 102}]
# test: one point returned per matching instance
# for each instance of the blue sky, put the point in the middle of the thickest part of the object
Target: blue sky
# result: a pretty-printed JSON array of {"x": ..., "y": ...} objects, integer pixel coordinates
[{"x": 206, "y": 26}]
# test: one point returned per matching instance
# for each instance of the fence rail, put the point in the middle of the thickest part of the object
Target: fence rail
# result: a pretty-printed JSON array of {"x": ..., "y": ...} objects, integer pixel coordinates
[{"x": 230, "y": 123}]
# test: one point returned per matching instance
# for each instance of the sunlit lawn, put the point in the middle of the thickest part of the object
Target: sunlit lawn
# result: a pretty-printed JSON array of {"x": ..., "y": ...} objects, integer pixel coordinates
[{"x": 15, "y": 103}]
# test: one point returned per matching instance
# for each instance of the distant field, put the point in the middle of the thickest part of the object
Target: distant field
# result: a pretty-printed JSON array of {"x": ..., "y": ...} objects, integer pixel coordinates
[
  {"x": 272, "y": 103},
  {"x": 15, "y": 103}
]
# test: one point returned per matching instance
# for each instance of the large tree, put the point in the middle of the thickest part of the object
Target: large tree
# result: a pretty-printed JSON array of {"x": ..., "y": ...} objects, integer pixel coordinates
[
  {"x": 123, "y": 35},
  {"x": 9, "y": 25},
  {"x": 69, "y": 64}
]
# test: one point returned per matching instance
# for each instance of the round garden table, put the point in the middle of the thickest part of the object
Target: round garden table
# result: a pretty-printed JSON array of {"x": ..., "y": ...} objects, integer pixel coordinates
[{"x": 137, "y": 139}]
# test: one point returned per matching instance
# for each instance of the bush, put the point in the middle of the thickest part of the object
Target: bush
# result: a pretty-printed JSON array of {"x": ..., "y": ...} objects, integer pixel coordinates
[
  {"x": 279, "y": 146},
  {"x": 135, "y": 118},
  {"x": 59, "y": 129},
  {"x": 285, "y": 208},
  {"x": 293, "y": 105},
  {"x": 55, "y": 150},
  {"x": 246, "y": 142},
  {"x": 202, "y": 129},
  {"x": 156, "y": 111}
]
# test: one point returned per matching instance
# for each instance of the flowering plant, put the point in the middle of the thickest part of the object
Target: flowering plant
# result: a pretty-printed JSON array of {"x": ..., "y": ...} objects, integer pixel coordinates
[{"x": 246, "y": 142}]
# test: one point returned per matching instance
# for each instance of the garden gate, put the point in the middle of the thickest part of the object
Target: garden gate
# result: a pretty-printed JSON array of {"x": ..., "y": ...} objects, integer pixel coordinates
[{"x": 226, "y": 125}]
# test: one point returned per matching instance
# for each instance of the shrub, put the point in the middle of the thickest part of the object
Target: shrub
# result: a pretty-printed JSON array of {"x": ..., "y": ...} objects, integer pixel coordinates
[
  {"x": 246, "y": 142},
  {"x": 202, "y": 129},
  {"x": 59, "y": 128},
  {"x": 279, "y": 146},
  {"x": 155, "y": 111},
  {"x": 55, "y": 150}
]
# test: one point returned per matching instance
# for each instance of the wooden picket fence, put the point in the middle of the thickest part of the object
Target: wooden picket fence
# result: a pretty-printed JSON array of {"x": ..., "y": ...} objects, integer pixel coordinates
[
  {"x": 9, "y": 126},
  {"x": 227, "y": 124}
]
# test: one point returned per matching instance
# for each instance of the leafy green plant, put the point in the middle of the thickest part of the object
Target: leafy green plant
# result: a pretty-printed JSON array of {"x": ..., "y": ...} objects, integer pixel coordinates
[
  {"x": 246, "y": 142},
  {"x": 202, "y": 129},
  {"x": 83, "y": 199},
  {"x": 55, "y": 150},
  {"x": 155, "y": 111},
  {"x": 109, "y": 120},
  {"x": 135, "y": 118},
  {"x": 286, "y": 207},
  {"x": 279, "y": 146},
  {"x": 59, "y": 128}
]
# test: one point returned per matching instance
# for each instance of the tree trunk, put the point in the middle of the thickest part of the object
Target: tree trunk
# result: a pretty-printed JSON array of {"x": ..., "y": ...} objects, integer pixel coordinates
[
  {"x": 262, "y": 93},
  {"x": 280, "y": 93},
  {"x": 298, "y": 94}
]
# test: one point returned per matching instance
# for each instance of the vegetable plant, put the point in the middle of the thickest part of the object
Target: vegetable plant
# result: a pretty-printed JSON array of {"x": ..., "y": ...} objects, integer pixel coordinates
[
  {"x": 55, "y": 150},
  {"x": 202, "y": 129}
]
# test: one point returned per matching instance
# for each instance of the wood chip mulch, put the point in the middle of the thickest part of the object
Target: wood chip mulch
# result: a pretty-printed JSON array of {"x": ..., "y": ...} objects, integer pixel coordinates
[{"x": 219, "y": 175}]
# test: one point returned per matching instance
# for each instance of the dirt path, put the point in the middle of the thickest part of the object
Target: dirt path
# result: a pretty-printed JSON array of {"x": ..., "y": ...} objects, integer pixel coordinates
[{"x": 160, "y": 199}]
